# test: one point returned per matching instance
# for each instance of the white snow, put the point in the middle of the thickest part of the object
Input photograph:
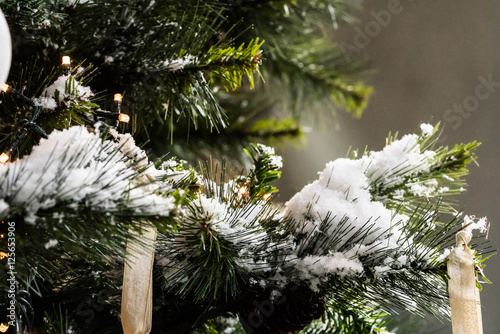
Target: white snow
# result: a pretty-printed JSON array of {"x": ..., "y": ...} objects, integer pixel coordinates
[
  {"x": 314, "y": 269},
  {"x": 401, "y": 158},
  {"x": 4, "y": 207},
  {"x": 427, "y": 129},
  {"x": 174, "y": 65},
  {"x": 342, "y": 189},
  {"x": 443, "y": 189},
  {"x": 276, "y": 161},
  {"x": 58, "y": 85},
  {"x": 342, "y": 194},
  {"x": 268, "y": 152},
  {"x": 425, "y": 189},
  {"x": 47, "y": 103},
  {"x": 76, "y": 167},
  {"x": 471, "y": 224},
  {"x": 51, "y": 243},
  {"x": 82, "y": 92},
  {"x": 235, "y": 227},
  {"x": 169, "y": 164},
  {"x": 448, "y": 178},
  {"x": 226, "y": 220},
  {"x": 78, "y": 2}
]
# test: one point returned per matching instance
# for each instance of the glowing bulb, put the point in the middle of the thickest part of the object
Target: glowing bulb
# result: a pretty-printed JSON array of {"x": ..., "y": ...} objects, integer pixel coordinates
[
  {"x": 5, "y": 88},
  {"x": 3, "y": 255},
  {"x": 243, "y": 190},
  {"x": 66, "y": 61},
  {"x": 266, "y": 196},
  {"x": 118, "y": 97},
  {"x": 66, "y": 65},
  {"x": 3, "y": 327},
  {"x": 4, "y": 157},
  {"x": 123, "y": 118}
]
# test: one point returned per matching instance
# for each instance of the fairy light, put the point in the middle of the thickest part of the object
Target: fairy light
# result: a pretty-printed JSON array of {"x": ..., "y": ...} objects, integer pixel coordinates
[
  {"x": 66, "y": 65},
  {"x": 29, "y": 124},
  {"x": 115, "y": 112},
  {"x": 123, "y": 118},
  {"x": 3, "y": 327},
  {"x": 243, "y": 190},
  {"x": 3, "y": 255},
  {"x": 118, "y": 108},
  {"x": 66, "y": 60},
  {"x": 118, "y": 102},
  {"x": 266, "y": 196},
  {"x": 4, "y": 157},
  {"x": 10, "y": 90}
]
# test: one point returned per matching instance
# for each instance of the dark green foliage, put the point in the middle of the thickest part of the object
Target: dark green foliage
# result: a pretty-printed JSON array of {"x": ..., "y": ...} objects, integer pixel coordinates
[
  {"x": 264, "y": 172},
  {"x": 362, "y": 320},
  {"x": 168, "y": 59},
  {"x": 302, "y": 60}
]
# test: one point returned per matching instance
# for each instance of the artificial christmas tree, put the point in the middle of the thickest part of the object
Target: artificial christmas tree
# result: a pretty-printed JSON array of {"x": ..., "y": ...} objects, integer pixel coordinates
[{"x": 90, "y": 205}]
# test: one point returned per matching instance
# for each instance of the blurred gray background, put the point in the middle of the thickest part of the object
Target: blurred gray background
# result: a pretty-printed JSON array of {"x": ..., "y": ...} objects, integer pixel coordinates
[{"x": 429, "y": 60}]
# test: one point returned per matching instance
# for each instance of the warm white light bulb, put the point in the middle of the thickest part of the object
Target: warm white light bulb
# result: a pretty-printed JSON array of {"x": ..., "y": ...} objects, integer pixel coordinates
[
  {"x": 266, "y": 196},
  {"x": 123, "y": 118},
  {"x": 118, "y": 97},
  {"x": 3, "y": 327},
  {"x": 243, "y": 190},
  {"x": 66, "y": 61},
  {"x": 4, "y": 157},
  {"x": 3, "y": 255},
  {"x": 5, "y": 88}
]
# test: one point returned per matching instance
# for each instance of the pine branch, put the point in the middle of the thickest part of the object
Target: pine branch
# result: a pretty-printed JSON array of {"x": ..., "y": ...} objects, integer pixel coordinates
[
  {"x": 291, "y": 28},
  {"x": 439, "y": 175},
  {"x": 212, "y": 249},
  {"x": 130, "y": 52},
  {"x": 65, "y": 199},
  {"x": 355, "y": 320}
]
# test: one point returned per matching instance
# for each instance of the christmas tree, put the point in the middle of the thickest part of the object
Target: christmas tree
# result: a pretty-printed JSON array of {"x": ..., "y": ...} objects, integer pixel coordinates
[{"x": 124, "y": 204}]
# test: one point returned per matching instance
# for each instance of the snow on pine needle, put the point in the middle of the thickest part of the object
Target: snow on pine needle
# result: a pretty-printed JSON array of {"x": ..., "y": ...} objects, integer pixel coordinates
[
  {"x": 424, "y": 174},
  {"x": 220, "y": 244},
  {"x": 67, "y": 92},
  {"x": 222, "y": 240},
  {"x": 65, "y": 87},
  {"x": 178, "y": 64},
  {"x": 265, "y": 152},
  {"x": 341, "y": 224},
  {"x": 74, "y": 168},
  {"x": 337, "y": 229},
  {"x": 342, "y": 192}
]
